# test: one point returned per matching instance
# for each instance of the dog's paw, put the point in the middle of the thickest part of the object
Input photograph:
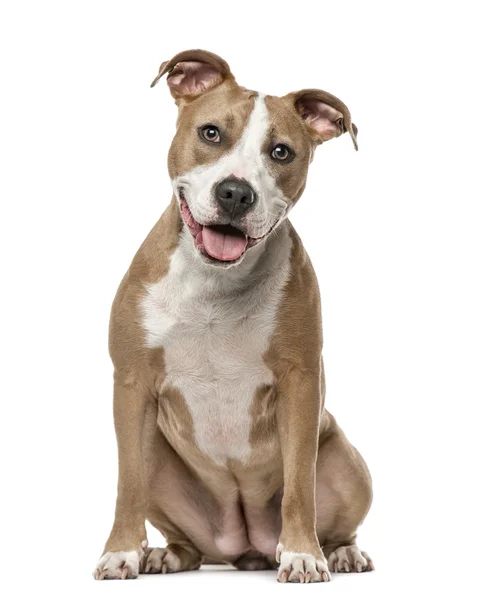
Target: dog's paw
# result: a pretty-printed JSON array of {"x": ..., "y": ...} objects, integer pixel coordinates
[
  {"x": 161, "y": 560},
  {"x": 119, "y": 565},
  {"x": 349, "y": 559},
  {"x": 298, "y": 567}
]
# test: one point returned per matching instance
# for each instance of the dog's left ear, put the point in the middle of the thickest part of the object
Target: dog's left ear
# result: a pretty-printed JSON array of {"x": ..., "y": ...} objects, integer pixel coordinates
[
  {"x": 325, "y": 116},
  {"x": 193, "y": 72}
]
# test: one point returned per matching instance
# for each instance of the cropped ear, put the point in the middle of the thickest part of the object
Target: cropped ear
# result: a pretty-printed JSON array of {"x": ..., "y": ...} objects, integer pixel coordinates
[
  {"x": 325, "y": 115},
  {"x": 193, "y": 72}
]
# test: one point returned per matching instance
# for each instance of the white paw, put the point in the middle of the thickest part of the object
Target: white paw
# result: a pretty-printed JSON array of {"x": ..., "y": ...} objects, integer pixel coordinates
[
  {"x": 162, "y": 560},
  {"x": 299, "y": 567},
  {"x": 119, "y": 565},
  {"x": 349, "y": 559}
]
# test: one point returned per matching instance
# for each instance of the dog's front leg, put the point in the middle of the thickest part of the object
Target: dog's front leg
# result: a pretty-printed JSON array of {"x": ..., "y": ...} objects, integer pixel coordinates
[
  {"x": 298, "y": 413},
  {"x": 125, "y": 546}
]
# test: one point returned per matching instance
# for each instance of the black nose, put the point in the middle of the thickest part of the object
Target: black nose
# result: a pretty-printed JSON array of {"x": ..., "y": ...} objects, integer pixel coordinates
[{"x": 236, "y": 196}]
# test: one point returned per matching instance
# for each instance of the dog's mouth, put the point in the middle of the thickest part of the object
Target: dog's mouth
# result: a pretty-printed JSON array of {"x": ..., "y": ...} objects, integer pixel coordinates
[{"x": 222, "y": 243}]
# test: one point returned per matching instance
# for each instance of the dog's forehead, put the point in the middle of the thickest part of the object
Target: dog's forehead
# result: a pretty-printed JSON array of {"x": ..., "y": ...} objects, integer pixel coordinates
[{"x": 230, "y": 106}]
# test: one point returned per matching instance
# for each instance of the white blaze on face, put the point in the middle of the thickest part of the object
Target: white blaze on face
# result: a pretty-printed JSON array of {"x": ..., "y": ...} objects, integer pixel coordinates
[{"x": 247, "y": 160}]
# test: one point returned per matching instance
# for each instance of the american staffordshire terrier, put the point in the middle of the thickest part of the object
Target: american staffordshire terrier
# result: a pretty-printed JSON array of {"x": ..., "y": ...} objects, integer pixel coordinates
[{"x": 224, "y": 442}]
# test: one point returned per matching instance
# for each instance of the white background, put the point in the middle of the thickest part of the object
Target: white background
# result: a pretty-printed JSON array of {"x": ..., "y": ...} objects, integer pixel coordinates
[{"x": 391, "y": 229}]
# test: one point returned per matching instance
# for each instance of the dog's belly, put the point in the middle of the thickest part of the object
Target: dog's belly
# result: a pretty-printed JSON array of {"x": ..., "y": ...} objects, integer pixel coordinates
[{"x": 222, "y": 514}]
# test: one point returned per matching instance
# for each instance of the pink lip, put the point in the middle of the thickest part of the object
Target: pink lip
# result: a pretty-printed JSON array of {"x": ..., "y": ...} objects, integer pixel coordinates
[
  {"x": 196, "y": 230},
  {"x": 188, "y": 218}
]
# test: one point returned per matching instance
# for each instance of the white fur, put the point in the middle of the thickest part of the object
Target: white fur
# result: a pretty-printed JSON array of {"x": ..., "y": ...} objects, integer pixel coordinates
[
  {"x": 246, "y": 160},
  {"x": 114, "y": 562},
  {"x": 215, "y": 325},
  {"x": 111, "y": 564},
  {"x": 300, "y": 564}
]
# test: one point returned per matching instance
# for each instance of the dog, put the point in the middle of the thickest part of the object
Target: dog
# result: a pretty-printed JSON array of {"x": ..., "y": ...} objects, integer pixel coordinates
[{"x": 224, "y": 441}]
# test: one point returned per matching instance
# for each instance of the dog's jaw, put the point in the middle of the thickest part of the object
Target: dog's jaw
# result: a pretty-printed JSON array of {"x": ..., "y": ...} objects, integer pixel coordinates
[{"x": 237, "y": 241}]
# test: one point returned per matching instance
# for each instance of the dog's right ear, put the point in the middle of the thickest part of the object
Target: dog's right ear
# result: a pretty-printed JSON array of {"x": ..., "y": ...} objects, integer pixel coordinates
[{"x": 193, "y": 72}]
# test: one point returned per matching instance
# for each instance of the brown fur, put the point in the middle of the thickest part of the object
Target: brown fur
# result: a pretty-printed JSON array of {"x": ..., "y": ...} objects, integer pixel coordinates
[{"x": 303, "y": 484}]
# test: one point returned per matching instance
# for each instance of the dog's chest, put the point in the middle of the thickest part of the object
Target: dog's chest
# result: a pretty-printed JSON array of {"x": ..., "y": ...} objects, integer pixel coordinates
[{"x": 214, "y": 337}]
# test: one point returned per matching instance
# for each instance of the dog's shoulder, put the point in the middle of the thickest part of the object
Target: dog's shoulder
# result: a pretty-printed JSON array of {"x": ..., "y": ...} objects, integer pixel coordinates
[{"x": 149, "y": 265}]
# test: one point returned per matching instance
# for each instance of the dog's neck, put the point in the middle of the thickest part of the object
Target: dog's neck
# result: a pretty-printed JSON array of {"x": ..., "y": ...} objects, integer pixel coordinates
[{"x": 257, "y": 264}]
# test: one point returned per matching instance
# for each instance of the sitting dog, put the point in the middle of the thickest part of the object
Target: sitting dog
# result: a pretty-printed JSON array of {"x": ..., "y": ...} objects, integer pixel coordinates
[{"x": 224, "y": 442}]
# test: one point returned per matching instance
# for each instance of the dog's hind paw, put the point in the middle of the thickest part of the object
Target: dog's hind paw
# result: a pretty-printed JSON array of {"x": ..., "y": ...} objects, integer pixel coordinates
[
  {"x": 171, "y": 559},
  {"x": 349, "y": 559},
  {"x": 161, "y": 560}
]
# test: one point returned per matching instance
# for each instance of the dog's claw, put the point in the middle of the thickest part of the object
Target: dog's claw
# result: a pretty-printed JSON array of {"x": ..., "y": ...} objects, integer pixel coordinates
[
  {"x": 370, "y": 565},
  {"x": 279, "y": 549},
  {"x": 283, "y": 577}
]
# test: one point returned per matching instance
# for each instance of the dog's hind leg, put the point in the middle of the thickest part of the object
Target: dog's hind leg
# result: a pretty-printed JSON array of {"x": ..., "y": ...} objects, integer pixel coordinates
[
  {"x": 180, "y": 508},
  {"x": 343, "y": 498}
]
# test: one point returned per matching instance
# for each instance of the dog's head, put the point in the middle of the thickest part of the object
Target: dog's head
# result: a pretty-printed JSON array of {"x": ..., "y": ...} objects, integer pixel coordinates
[{"x": 239, "y": 159}]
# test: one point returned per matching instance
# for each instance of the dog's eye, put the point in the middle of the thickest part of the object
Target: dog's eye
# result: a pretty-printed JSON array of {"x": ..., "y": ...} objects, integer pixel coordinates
[
  {"x": 281, "y": 152},
  {"x": 211, "y": 134}
]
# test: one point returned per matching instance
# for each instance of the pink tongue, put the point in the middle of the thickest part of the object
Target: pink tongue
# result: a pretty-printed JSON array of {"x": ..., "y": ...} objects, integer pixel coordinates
[{"x": 224, "y": 243}]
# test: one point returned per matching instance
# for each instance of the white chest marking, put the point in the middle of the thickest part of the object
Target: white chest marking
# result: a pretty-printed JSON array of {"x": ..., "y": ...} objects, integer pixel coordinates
[{"x": 215, "y": 325}]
